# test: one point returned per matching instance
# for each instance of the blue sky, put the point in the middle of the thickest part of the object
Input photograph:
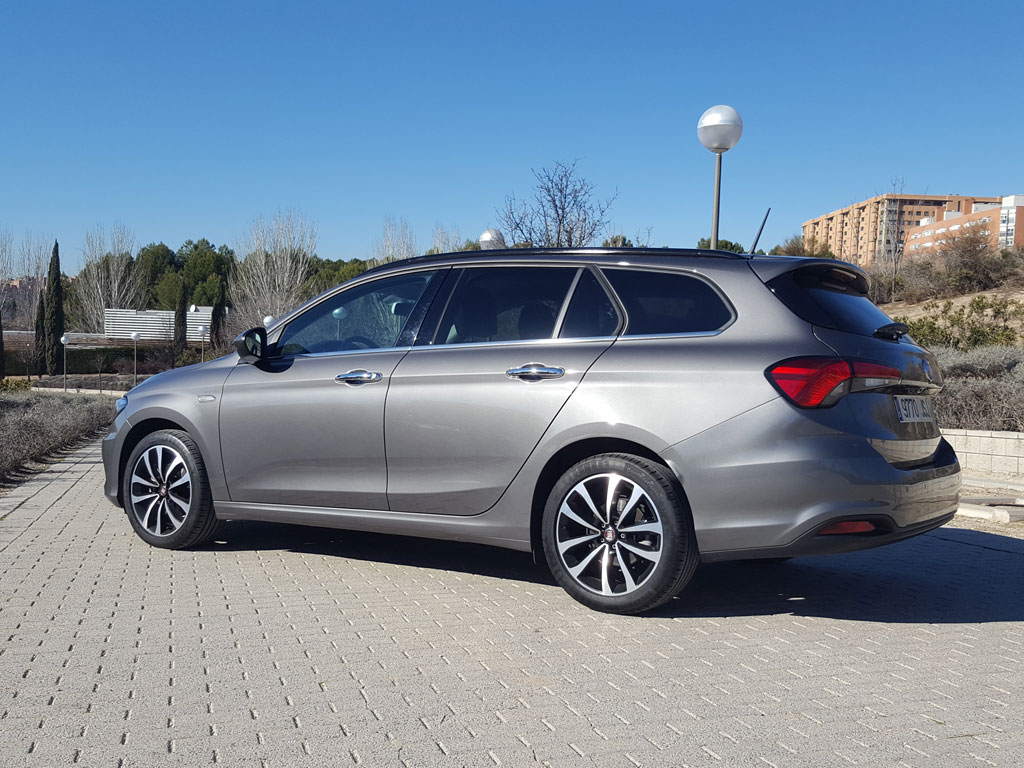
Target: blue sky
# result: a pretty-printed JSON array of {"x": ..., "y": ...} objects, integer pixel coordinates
[{"x": 186, "y": 120}]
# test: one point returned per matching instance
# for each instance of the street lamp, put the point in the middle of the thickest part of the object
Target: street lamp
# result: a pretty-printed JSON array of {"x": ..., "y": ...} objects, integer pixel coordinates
[
  {"x": 135, "y": 339},
  {"x": 718, "y": 129},
  {"x": 491, "y": 239},
  {"x": 64, "y": 343},
  {"x": 267, "y": 320},
  {"x": 203, "y": 330}
]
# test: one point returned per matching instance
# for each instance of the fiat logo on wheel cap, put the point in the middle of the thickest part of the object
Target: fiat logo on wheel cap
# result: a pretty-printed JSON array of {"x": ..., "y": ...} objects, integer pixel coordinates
[{"x": 609, "y": 535}]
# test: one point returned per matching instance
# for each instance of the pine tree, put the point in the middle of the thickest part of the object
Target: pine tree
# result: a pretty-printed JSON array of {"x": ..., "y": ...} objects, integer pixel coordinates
[
  {"x": 217, "y": 316},
  {"x": 39, "y": 357},
  {"x": 180, "y": 321},
  {"x": 54, "y": 315}
]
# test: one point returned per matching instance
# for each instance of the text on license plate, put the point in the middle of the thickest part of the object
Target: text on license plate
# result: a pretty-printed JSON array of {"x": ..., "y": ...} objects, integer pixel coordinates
[{"x": 911, "y": 408}]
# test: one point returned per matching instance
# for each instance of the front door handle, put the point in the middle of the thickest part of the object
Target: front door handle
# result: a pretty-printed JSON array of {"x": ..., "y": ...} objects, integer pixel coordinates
[
  {"x": 535, "y": 372},
  {"x": 359, "y": 376}
]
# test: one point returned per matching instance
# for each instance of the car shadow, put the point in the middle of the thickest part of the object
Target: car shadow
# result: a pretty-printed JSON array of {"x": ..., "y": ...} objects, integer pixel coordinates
[
  {"x": 438, "y": 554},
  {"x": 949, "y": 575}
]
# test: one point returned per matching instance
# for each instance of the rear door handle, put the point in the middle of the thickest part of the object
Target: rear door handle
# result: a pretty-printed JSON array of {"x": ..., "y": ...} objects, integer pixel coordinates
[
  {"x": 535, "y": 372},
  {"x": 359, "y": 376}
]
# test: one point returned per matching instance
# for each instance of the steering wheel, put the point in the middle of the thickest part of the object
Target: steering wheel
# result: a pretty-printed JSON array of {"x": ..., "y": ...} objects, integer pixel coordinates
[{"x": 365, "y": 342}]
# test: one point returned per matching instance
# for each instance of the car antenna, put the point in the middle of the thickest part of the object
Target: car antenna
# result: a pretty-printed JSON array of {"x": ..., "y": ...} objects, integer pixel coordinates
[{"x": 759, "y": 231}]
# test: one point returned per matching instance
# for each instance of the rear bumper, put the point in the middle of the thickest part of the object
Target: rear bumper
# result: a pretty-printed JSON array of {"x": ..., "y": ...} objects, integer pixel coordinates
[
  {"x": 813, "y": 543},
  {"x": 756, "y": 496}
]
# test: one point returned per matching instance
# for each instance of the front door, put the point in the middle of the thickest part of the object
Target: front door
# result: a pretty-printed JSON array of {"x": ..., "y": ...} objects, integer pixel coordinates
[{"x": 306, "y": 427}]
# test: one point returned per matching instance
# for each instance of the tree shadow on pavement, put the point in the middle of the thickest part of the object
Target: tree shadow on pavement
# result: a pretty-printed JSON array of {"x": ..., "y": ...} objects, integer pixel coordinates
[{"x": 949, "y": 575}]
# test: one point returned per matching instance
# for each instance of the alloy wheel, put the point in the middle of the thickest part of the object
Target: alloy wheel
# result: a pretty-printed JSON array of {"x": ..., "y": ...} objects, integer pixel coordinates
[
  {"x": 609, "y": 534},
  {"x": 161, "y": 490}
]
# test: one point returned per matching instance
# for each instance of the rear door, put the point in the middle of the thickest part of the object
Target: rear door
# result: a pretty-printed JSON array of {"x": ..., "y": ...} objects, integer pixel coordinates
[
  {"x": 467, "y": 407},
  {"x": 898, "y": 418}
]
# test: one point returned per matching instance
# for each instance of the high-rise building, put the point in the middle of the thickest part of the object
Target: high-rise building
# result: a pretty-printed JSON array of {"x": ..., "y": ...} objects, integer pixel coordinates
[
  {"x": 998, "y": 222},
  {"x": 876, "y": 228}
]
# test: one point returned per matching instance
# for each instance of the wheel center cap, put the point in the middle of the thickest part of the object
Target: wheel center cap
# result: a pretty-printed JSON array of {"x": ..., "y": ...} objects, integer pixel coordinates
[
  {"x": 163, "y": 490},
  {"x": 610, "y": 534}
]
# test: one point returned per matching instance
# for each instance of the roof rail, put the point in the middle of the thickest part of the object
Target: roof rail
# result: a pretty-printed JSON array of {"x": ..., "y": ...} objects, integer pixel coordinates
[{"x": 506, "y": 253}]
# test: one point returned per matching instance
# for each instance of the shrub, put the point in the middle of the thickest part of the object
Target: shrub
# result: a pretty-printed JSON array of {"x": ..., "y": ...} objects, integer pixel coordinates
[
  {"x": 981, "y": 362},
  {"x": 14, "y": 385},
  {"x": 36, "y": 424},
  {"x": 996, "y": 404},
  {"x": 982, "y": 322}
]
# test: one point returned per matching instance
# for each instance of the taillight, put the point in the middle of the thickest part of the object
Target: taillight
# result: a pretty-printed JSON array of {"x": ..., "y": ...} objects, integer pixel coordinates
[{"x": 818, "y": 382}]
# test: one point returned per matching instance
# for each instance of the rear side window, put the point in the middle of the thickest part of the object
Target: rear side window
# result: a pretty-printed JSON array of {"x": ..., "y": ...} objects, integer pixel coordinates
[
  {"x": 667, "y": 302},
  {"x": 830, "y": 298},
  {"x": 505, "y": 304}
]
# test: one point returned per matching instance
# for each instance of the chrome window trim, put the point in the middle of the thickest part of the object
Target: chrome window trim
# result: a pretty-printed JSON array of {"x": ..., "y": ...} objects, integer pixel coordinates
[
  {"x": 516, "y": 343},
  {"x": 681, "y": 335},
  {"x": 341, "y": 353}
]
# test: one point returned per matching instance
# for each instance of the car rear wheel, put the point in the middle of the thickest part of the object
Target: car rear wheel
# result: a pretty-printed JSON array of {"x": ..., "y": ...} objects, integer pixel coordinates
[
  {"x": 166, "y": 492},
  {"x": 618, "y": 534}
]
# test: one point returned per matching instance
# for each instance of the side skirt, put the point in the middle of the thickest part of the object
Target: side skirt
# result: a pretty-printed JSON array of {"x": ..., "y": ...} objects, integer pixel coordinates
[{"x": 477, "y": 529}]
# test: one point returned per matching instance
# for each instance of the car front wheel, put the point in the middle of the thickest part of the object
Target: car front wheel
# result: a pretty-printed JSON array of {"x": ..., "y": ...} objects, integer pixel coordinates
[
  {"x": 166, "y": 492},
  {"x": 618, "y": 534}
]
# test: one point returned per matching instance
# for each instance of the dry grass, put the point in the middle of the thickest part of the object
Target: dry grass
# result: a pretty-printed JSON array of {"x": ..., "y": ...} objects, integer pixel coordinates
[{"x": 35, "y": 425}]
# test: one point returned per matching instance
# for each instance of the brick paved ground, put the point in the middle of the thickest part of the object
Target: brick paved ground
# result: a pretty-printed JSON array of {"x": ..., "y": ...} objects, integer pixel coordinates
[{"x": 296, "y": 646}]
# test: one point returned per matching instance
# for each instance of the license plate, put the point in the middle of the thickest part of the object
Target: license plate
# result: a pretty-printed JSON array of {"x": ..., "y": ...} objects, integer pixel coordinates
[{"x": 912, "y": 408}]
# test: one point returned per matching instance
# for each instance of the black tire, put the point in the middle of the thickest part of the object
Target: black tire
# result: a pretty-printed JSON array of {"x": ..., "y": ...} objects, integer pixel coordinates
[
  {"x": 609, "y": 574},
  {"x": 162, "y": 465}
]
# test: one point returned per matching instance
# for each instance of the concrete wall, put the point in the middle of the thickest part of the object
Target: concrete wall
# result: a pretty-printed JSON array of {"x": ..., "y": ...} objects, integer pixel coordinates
[{"x": 999, "y": 454}]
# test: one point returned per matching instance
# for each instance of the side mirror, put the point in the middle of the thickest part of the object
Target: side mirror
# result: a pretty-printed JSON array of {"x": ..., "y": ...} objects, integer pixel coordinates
[{"x": 251, "y": 345}]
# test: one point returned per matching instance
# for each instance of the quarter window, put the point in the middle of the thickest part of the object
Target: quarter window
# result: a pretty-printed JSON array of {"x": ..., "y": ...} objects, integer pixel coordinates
[
  {"x": 368, "y": 316},
  {"x": 667, "y": 302},
  {"x": 505, "y": 304}
]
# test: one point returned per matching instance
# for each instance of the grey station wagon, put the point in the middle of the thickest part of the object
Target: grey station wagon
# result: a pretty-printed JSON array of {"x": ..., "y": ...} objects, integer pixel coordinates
[{"x": 622, "y": 413}]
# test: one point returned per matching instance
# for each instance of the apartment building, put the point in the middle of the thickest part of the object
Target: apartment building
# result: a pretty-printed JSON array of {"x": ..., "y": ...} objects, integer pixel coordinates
[
  {"x": 997, "y": 221},
  {"x": 877, "y": 227}
]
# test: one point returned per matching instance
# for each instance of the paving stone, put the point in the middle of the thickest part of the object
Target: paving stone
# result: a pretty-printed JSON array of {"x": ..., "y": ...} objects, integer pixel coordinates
[{"x": 283, "y": 646}]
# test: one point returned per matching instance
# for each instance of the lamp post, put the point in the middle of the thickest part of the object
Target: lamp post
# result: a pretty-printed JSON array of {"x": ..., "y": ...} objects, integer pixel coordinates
[
  {"x": 267, "y": 320},
  {"x": 718, "y": 129},
  {"x": 135, "y": 340},
  {"x": 64, "y": 343},
  {"x": 203, "y": 330}
]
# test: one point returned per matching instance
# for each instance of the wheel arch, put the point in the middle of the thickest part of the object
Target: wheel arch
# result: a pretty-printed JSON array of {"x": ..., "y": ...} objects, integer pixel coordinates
[
  {"x": 135, "y": 436},
  {"x": 566, "y": 457}
]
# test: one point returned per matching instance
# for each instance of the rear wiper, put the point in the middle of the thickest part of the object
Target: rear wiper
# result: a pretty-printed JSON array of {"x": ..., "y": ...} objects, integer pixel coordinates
[{"x": 892, "y": 331}]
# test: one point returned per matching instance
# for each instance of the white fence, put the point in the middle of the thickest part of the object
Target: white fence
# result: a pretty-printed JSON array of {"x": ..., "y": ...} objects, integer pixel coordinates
[{"x": 153, "y": 324}]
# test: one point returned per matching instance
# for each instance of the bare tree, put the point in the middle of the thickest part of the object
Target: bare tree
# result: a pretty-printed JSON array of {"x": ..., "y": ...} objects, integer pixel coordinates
[
  {"x": 562, "y": 213},
  {"x": 889, "y": 250},
  {"x": 108, "y": 279},
  {"x": 6, "y": 262},
  {"x": 396, "y": 242},
  {"x": 33, "y": 260},
  {"x": 446, "y": 240},
  {"x": 270, "y": 279}
]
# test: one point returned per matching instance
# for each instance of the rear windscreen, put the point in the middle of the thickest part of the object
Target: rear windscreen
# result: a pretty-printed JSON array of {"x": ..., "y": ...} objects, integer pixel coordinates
[{"x": 831, "y": 298}]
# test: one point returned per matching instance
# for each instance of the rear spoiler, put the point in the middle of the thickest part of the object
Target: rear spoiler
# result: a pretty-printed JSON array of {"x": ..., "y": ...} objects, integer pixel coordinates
[{"x": 768, "y": 268}]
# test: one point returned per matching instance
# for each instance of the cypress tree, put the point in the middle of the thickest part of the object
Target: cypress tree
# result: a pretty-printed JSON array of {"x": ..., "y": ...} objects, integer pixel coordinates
[
  {"x": 180, "y": 322},
  {"x": 39, "y": 357},
  {"x": 54, "y": 315},
  {"x": 3, "y": 361}
]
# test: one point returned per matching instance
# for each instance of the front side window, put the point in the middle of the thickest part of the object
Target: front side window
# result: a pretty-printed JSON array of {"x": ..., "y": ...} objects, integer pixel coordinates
[
  {"x": 667, "y": 302},
  {"x": 505, "y": 304},
  {"x": 368, "y": 316}
]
